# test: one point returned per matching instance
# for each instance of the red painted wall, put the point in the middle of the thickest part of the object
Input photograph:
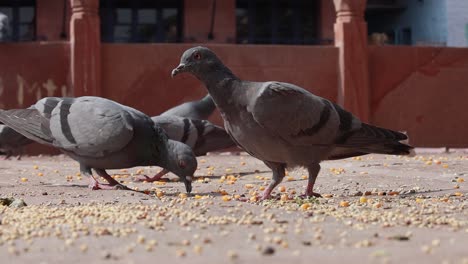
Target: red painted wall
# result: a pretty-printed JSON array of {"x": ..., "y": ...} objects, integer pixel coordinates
[
  {"x": 139, "y": 75},
  {"x": 197, "y": 21},
  {"x": 30, "y": 71},
  {"x": 422, "y": 91},
  {"x": 49, "y": 19}
]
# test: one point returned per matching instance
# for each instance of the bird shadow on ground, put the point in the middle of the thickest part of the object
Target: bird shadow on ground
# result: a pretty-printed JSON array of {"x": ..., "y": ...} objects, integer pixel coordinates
[
  {"x": 425, "y": 192},
  {"x": 147, "y": 192},
  {"x": 241, "y": 174},
  {"x": 84, "y": 186}
]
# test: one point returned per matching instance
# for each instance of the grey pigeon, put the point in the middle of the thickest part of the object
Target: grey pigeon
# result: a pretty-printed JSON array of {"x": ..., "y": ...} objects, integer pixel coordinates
[
  {"x": 201, "y": 109},
  {"x": 201, "y": 135},
  {"x": 101, "y": 134},
  {"x": 285, "y": 125},
  {"x": 12, "y": 142}
]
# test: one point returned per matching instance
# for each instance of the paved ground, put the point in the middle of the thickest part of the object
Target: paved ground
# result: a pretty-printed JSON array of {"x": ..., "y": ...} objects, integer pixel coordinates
[{"x": 378, "y": 209}]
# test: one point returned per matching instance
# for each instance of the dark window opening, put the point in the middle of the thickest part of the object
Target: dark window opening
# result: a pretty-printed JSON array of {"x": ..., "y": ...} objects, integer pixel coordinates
[
  {"x": 17, "y": 20},
  {"x": 141, "y": 20},
  {"x": 277, "y": 22},
  {"x": 381, "y": 16}
]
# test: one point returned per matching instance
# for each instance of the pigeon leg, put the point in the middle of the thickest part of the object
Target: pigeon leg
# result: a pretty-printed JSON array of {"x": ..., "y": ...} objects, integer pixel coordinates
[
  {"x": 278, "y": 175},
  {"x": 8, "y": 154},
  {"x": 156, "y": 177},
  {"x": 19, "y": 153},
  {"x": 93, "y": 183},
  {"x": 313, "y": 172},
  {"x": 113, "y": 184}
]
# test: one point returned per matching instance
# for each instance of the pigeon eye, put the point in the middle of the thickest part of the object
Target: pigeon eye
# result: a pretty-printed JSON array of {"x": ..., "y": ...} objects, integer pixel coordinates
[{"x": 197, "y": 56}]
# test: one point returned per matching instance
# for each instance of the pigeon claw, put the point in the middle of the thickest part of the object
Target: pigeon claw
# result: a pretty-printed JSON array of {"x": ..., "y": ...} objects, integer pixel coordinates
[{"x": 148, "y": 179}]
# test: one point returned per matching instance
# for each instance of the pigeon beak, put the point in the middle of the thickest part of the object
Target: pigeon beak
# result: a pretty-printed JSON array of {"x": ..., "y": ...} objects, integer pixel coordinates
[
  {"x": 188, "y": 186},
  {"x": 179, "y": 69}
]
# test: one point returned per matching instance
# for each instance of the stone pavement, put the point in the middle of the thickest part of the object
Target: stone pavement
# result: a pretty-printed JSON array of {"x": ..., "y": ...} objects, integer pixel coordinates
[{"x": 376, "y": 209}]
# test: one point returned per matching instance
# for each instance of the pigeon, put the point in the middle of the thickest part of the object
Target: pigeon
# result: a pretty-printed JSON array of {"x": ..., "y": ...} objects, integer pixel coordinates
[
  {"x": 12, "y": 142},
  {"x": 101, "y": 134},
  {"x": 283, "y": 124},
  {"x": 201, "y": 109},
  {"x": 201, "y": 135}
]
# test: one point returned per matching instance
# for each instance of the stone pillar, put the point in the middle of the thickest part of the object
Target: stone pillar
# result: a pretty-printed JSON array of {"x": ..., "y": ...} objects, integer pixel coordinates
[
  {"x": 351, "y": 39},
  {"x": 85, "y": 48}
]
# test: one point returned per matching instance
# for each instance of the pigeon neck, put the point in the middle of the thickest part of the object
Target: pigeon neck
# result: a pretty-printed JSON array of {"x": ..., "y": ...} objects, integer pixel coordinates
[
  {"x": 166, "y": 160},
  {"x": 207, "y": 103},
  {"x": 218, "y": 82}
]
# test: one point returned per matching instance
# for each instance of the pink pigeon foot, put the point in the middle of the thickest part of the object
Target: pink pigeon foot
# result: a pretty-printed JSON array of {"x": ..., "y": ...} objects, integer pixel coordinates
[{"x": 156, "y": 177}]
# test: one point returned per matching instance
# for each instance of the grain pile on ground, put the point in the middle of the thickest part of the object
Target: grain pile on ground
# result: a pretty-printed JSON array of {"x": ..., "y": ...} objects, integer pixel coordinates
[{"x": 378, "y": 209}]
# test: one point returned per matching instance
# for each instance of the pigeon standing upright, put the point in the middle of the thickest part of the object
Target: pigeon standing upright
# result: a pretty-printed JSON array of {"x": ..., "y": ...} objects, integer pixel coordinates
[
  {"x": 101, "y": 134},
  {"x": 285, "y": 125},
  {"x": 12, "y": 142},
  {"x": 201, "y": 135},
  {"x": 201, "y": 109}
]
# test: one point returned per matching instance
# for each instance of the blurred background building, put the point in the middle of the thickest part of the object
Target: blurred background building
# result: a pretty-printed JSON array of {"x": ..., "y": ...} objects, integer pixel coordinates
[
  {"x": 298, "y": 22},
  {"x": 396, "y": 63}
]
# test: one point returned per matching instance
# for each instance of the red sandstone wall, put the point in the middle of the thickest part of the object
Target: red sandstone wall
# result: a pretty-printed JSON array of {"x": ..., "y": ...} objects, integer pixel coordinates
[
  {"x": 139, "y": 75},
  {"x": 49, "y": 19},
  {"x": 423, "y": 91},
  {"x": 30, "y": 71}
]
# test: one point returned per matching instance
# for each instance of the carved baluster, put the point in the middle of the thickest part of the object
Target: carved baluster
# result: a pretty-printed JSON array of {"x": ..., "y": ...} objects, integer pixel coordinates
[
  {"x": 85, "y": 47},
  {"x": 351, "y": 39}
]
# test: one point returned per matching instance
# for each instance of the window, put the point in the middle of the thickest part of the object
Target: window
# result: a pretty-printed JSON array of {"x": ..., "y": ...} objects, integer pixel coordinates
[
  {"x": 277, "y": 21},
  {"x": 17, "y": 20},
  {"x": 382, "y": 19},
  {"x": 141, "y": 20}
]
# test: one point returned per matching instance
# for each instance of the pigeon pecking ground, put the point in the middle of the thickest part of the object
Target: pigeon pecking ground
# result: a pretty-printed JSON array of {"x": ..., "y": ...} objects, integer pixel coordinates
[{"x": 375, "y": 209}]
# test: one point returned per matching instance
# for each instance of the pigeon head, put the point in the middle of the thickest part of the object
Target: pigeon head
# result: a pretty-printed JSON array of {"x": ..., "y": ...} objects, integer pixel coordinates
[
  {"x": 182, "y": 162},
  {"x": 198, "y": 60}
]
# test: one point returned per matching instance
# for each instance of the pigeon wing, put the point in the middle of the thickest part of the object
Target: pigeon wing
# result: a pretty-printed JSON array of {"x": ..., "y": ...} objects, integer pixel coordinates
[{"x": 88, "y": 126}]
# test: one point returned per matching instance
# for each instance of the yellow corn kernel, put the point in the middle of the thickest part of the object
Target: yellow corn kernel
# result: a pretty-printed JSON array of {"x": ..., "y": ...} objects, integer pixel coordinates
[
  {"x": 378, "y": 204},
  {"x": 344, "y": 203},
  {"x": 305, "y": 206}
]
